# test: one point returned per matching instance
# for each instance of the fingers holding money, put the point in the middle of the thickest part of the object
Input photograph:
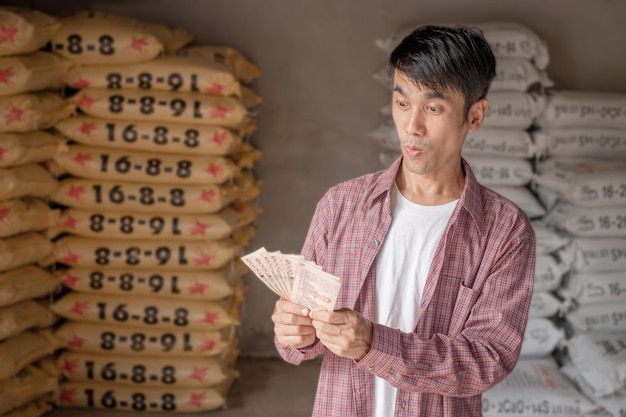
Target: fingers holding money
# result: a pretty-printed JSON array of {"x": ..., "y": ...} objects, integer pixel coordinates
[
  {"x": 344, "y": 332},
  {"x": 292, "y": 324}
]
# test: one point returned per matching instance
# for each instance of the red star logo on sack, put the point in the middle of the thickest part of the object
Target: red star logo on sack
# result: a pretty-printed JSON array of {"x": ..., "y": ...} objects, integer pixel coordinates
[
  {"x": 79, "y": 308},
  {"x": 4, "y": 213},
  {"x": 70, "y": 222},
  {"x": 2, "y": 152},
  {"x": 81, "y": 83},
  {"x": 7, "y": 33},
  {"x": 46, "y": 164},
  {"x": 208, "y": 195},
  {"x": 207, "y": 344},
  {"x": 197, "y": 288},
  {"x": 69, "y": 365},
  {"x": 219, "y": 112},
  {"x": 238, "y": 209},
  {"x": 76, "y": 191},
  {"x": 67, "y": 395},
  {"x": 203, "y": 259},
  {"x": 14, "y": 115},
  {"x": 87, "y": 128},
  {"x": 213, "y": 169},
  {"x": 70, "y": 258},
  {"x": 5, "y": 75},
  {"x": 219, "y": 137},
  {"x": 199, "y": 228},
  {"x": 76, "y": 341},
  {"x": 139, "y": 43},
  {"x": 70, "y": 280},
  {"x": 82, "y": 158},
  {"x": 85, "y": 101},
  {"x": 197, "y": 399},
  {"x": 215, "y": 88},
  {"x": 199, "y": 374},
  {"x": 210, "y": 318}
]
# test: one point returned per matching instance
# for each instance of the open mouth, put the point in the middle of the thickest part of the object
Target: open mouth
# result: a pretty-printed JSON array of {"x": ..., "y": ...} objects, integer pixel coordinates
[{"x": 413, "y": 151}]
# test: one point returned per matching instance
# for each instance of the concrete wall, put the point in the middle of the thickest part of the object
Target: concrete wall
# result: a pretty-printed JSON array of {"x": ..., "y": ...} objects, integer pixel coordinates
[{"x": 320, "y": 102}]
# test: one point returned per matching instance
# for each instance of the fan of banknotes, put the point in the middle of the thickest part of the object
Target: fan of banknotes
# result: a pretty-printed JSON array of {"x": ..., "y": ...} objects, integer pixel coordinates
[{"x": 294, "y": 278}]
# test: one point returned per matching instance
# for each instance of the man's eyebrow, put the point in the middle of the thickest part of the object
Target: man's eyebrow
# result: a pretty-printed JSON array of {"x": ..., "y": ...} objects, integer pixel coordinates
[
  {"x": 428, "y": 94},
  {"x": 398, "y": 89}
]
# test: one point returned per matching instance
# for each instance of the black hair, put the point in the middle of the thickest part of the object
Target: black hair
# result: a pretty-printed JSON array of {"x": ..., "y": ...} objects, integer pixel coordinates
[{"x": 441, "y": 58}]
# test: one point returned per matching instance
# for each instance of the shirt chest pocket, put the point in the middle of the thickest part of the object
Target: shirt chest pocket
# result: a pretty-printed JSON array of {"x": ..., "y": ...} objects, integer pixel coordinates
[{"x": 465, "y": 300}]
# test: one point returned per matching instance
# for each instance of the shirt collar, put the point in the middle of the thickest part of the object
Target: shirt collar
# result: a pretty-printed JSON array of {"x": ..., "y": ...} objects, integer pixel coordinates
[{"x": 470, "y": 198}]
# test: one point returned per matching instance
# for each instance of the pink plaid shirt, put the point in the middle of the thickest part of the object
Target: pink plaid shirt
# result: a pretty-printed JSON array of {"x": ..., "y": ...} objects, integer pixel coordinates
[{"x": 472, "y": 315}]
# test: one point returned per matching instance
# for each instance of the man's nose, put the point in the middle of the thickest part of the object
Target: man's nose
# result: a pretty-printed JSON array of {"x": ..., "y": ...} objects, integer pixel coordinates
[{"x": 415, "y": 123}]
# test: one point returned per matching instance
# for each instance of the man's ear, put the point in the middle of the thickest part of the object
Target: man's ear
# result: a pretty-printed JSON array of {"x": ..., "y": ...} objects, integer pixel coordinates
[{"x": 477, "y": 114}]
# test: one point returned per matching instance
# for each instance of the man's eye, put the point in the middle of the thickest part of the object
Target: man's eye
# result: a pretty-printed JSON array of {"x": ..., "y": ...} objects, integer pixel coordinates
[
  {"x": 401, "y": 103},
  {"x": 433, "y": 108}
]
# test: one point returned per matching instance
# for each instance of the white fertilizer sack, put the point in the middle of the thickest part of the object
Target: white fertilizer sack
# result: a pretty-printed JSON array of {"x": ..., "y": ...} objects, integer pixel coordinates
[
  {"x": 534, "y": 389},
  {"x": 600, "y": 359},
  {"x": 584, "y": 109}
]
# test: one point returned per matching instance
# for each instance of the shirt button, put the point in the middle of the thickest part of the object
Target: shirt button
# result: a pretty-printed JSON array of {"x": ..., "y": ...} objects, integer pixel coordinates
[
  {"x": 376, "y": 242},
  {"x": 371, "y": 369},
  {"x": 403, "y": 405}
]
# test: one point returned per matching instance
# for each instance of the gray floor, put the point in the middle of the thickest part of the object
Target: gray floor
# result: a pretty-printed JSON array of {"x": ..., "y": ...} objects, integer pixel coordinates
[{"x": 266, "y": 388}]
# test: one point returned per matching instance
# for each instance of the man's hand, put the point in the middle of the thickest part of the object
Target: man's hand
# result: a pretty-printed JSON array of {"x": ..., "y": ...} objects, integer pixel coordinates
[
  {"x": 292, "y": 325},
  {"x": 345, "y": 332}
]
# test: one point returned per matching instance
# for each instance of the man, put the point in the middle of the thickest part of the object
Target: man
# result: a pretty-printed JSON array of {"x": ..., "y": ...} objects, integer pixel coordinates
[{"x": 437, "y": 271}]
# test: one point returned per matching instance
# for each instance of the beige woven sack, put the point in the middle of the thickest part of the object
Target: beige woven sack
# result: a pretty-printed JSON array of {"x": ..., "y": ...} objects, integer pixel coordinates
[
  {"x": 25, "y": 283},
  {"x": 145, "y": 311},
  {"x": 34, "y": 72},
  {"x": 142, "y": 254},
  {"x": 170, "y": 138},
  {"x": 120, "y": 397},
  {"x": 128, "y": 225},
  {"x": 25, "y": 215},
  {"x": 22, "y": 250},
  {"x": 27, "y": 147},
  {"x": 166, "y": 73},
  {"x": 111, "y": 339},
  {"x": 26, "y": 180},
  {"x": 36, "y": 408},
  {"x": 159, "y": 198},
  {"x": 230, "y": 58},
  {"x": 29, "y": 384},
  {"x": 24, "y": 30},
  {"x": 191, "y": 285},
  {"x": 163, "y": 106},
  {"x": 120, "y": 165},
  {"x": 33, "y": 111},
  {"x": 23, "y": 316},
  {"x": 22, "y": 350},
  {"x": 142, "y": 370},
  {"x": 100, "y": 38}
]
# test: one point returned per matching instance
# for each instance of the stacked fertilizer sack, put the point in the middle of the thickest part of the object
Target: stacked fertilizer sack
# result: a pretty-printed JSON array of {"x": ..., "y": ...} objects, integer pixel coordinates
[
  {"x": 157, "y": 202},
  {"x": 28, "y": 106},
  {"x": 582, "y": 182}
]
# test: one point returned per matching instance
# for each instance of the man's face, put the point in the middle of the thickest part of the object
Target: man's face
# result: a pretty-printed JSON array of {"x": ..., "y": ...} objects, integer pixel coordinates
[{"x": 431, "y": 126}]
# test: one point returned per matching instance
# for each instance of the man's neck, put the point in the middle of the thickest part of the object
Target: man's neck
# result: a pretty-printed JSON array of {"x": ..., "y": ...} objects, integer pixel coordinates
[{"x": 431, "y": 190}]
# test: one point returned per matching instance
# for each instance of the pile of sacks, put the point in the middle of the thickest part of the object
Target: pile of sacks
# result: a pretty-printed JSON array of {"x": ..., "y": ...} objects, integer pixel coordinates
[
  {"x": 30, "y": 104},
  {"x": 129, "y": 193}
]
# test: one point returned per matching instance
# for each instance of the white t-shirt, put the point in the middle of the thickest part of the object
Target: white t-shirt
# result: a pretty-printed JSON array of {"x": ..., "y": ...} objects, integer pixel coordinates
[{"x": 402, "y": 266}]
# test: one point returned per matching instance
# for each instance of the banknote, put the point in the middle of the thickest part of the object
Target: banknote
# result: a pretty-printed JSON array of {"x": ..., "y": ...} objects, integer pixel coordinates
[{"x": 294, "y": 278}]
